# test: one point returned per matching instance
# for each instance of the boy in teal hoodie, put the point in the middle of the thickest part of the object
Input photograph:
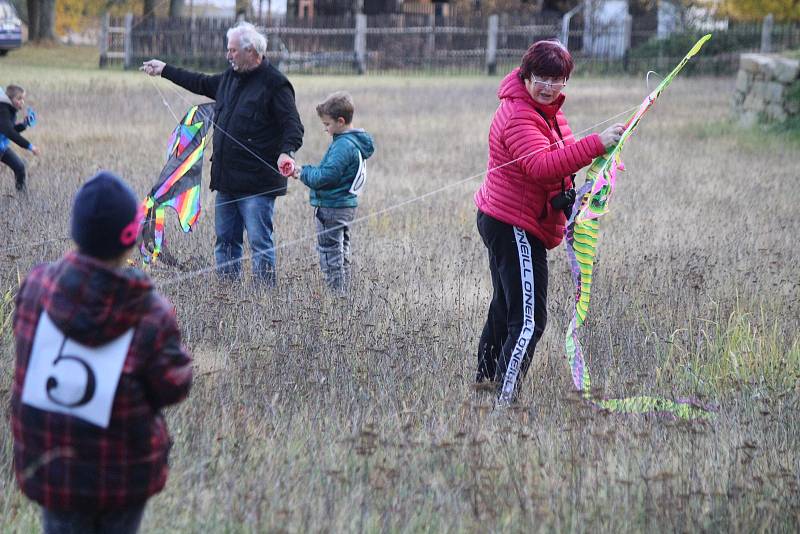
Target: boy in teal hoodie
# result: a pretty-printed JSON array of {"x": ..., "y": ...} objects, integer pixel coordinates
[{"x": 336, "y": 184}]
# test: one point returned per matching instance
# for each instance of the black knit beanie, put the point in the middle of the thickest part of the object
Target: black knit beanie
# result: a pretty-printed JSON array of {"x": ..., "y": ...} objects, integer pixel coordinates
[{"x": 105, "y": 216}]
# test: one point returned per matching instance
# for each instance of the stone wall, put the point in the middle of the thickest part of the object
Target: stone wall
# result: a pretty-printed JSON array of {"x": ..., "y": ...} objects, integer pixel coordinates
[{"x": 767, "y": 89}]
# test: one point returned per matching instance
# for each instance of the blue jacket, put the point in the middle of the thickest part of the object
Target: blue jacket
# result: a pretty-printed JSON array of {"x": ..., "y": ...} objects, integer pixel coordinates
[{"x": 340, "y": 176}]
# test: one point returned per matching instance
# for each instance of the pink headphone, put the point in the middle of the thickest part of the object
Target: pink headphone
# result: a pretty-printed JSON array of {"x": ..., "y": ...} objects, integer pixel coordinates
[{"x": 128, "y": 235}]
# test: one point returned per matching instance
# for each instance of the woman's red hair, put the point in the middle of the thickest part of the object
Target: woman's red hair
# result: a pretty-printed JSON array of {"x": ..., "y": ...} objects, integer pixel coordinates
[{"x": 548, "y": 59}]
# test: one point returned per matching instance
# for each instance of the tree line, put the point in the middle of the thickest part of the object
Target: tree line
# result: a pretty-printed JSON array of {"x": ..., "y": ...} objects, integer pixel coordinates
[{"x": 41, "y": 15}]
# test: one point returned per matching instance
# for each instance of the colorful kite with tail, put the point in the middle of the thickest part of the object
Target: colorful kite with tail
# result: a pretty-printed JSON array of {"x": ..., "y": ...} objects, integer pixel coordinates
[
  {"x": 178, "y": 186},
  {"x": 581, "y": 236}
]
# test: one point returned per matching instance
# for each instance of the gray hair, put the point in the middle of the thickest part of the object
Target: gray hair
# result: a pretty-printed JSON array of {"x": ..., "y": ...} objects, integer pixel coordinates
[{"x": 249, "y": 37}]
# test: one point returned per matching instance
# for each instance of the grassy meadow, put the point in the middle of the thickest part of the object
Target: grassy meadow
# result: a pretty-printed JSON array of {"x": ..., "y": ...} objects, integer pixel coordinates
[{"x": 316, "y": 413}]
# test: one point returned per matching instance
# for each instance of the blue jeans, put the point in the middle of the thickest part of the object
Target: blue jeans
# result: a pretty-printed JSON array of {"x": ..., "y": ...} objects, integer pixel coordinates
[
  {"x": 236, "y": 214},
  {"x": 123, "y": 521}
]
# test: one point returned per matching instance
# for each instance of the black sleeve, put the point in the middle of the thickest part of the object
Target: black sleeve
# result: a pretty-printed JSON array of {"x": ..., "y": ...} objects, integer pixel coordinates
[
  {"x": 20, "y": 127},
  {"x": 282, "y": 106},
  {"x": 199, "y": 84},
  {"x": 7, "y": 129}
]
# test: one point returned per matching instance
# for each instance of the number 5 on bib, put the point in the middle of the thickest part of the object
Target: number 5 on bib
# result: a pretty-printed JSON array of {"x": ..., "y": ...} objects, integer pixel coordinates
[{"x": 67, "y": 377}]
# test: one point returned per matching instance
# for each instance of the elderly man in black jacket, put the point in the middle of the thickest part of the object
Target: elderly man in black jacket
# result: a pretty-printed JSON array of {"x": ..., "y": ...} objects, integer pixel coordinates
[{"x": 257, "y": 129}]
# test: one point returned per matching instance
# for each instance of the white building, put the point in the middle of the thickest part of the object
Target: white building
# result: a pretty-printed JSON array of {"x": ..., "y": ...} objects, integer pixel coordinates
[{"x": 607, "y": 28}]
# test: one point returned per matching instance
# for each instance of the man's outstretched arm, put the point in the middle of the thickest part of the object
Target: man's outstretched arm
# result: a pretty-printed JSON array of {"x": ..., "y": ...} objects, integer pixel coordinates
[{"x": 200, "y": 84}]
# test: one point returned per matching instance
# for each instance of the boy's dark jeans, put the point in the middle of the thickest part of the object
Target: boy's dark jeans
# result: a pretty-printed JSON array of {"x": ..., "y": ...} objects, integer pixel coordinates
[
  {"x": 122, "y": 521},
  {"x": 17, "y": 165},
  {"x": 333, "y": 244}
]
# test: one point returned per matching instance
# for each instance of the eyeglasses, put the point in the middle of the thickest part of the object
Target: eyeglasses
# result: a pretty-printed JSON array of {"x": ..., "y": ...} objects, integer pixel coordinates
[{"x": 556, "y": 86}]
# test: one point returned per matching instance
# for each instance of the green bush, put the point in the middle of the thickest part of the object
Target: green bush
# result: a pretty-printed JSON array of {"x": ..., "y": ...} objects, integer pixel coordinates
[
  {"x": 793, "y": 93},
  {"x": 791, "y": 126},
  {"x": 720, "y": 55}
]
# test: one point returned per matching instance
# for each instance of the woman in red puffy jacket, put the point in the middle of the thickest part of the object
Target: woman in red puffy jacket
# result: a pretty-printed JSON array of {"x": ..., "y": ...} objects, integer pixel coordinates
[{"x": 532, "y": 159}]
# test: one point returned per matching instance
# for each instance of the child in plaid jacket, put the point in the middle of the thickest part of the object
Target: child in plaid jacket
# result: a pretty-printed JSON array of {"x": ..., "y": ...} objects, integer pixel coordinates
[{"x": 98, "y": 355}]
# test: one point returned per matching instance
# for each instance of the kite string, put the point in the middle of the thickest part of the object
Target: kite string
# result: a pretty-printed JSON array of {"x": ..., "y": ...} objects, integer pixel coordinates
[
  {"x": 164, "y": 100},
  {"x": 373, "y": 214},
  {"x": 216, "y": 126},
  {"x": 238, "y": 199},
  {"x": 406, "y": 202},
  {"x": 647, "y": 77},
  {"x": 389, "y": 208}
]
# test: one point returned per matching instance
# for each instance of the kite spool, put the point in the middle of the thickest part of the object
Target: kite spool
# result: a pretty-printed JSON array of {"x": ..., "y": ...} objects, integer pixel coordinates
[
  {"x": 30, "y": 117},
  {"x": 287, "y": 168}
]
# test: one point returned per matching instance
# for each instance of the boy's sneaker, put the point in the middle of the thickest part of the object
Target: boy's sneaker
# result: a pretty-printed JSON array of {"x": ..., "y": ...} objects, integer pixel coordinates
[{"x": 20, "y": 185}]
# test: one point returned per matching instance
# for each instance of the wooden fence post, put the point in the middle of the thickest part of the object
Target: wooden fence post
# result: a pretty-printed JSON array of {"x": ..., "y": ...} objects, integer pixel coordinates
[
  {"x": 565, "y": 23},
  {"x": 491, "y": 45},
  {"x": 128, "y": 41},
  {"x": 103, "y": 39},
  {"x": 193, "y": 38},
  {"x": 502, "y": 31},
  {"x": 360, "y": 44},
  {"x": 430, "y": 42},
  {"x": 627, "y": 31},
  {"x": 766, "y": 34}
]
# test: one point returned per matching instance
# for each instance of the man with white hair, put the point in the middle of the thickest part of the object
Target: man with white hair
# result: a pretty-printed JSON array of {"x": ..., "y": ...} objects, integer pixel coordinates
[{"x": 257, "y": 129}]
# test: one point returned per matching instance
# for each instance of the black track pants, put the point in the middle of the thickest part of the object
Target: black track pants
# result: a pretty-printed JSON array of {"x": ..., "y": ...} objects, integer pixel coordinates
[
  {"x": 518, "y": 311},
  {"x": 17, "y": 165}
]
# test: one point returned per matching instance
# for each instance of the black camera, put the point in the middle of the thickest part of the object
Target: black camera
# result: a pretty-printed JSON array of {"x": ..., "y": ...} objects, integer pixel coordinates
[{"x": 564, "y": 201}]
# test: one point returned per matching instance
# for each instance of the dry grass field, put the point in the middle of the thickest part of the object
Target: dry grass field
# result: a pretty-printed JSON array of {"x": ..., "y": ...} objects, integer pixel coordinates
[{"x": 315, "y": 413}]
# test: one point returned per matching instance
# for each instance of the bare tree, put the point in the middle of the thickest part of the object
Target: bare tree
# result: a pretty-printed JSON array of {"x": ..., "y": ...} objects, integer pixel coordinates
[
  {"x": 33, "y": 20},
  {"x": 560, "y": 6},
  {"x": 41, "y": 20},
  {"x": 149, "y": 8},
  {"x": 47, "y": 20},
  {"x": 176, "y": 8},
  {"x": 242, "y": 9}
]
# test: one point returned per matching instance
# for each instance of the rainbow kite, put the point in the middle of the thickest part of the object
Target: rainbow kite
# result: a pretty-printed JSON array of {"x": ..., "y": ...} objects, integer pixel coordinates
[
  {"x": 581, "y": 235},
  {"x": 178, "y": 185}
]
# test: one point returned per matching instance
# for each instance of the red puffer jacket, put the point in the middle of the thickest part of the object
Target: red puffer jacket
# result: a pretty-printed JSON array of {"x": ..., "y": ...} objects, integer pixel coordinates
[{"x": 528, "y": 161}]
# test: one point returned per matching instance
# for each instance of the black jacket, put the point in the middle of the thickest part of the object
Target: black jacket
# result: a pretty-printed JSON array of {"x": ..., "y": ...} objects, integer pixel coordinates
[
  {"x": 255, "y": 119},
  {"x": 9, "y": 129}
]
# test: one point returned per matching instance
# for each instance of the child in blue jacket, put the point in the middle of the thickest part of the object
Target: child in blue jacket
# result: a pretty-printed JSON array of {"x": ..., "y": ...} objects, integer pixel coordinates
[{"x": 336, "y": 184}]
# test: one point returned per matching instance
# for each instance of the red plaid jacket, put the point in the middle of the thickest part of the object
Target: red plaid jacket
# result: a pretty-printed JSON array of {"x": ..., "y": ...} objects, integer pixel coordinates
[{"x": 62, "y": 461}]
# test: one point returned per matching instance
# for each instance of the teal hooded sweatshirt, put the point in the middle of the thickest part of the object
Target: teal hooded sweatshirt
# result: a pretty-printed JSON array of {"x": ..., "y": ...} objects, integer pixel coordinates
[{"x": 332, "y": 182}]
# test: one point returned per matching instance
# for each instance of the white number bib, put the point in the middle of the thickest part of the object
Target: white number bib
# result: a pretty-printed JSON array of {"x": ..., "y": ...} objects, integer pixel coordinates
[
  {"x": 66, "y": 377},
  {"x": 361, "y": 177}
]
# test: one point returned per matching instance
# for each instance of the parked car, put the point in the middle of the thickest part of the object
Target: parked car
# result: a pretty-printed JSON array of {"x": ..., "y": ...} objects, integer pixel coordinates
[{"x": 10, "y": 28}]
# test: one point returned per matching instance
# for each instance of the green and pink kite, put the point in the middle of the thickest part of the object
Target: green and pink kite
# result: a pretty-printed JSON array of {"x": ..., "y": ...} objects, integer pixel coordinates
[{"x": 581, "y": 236}]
